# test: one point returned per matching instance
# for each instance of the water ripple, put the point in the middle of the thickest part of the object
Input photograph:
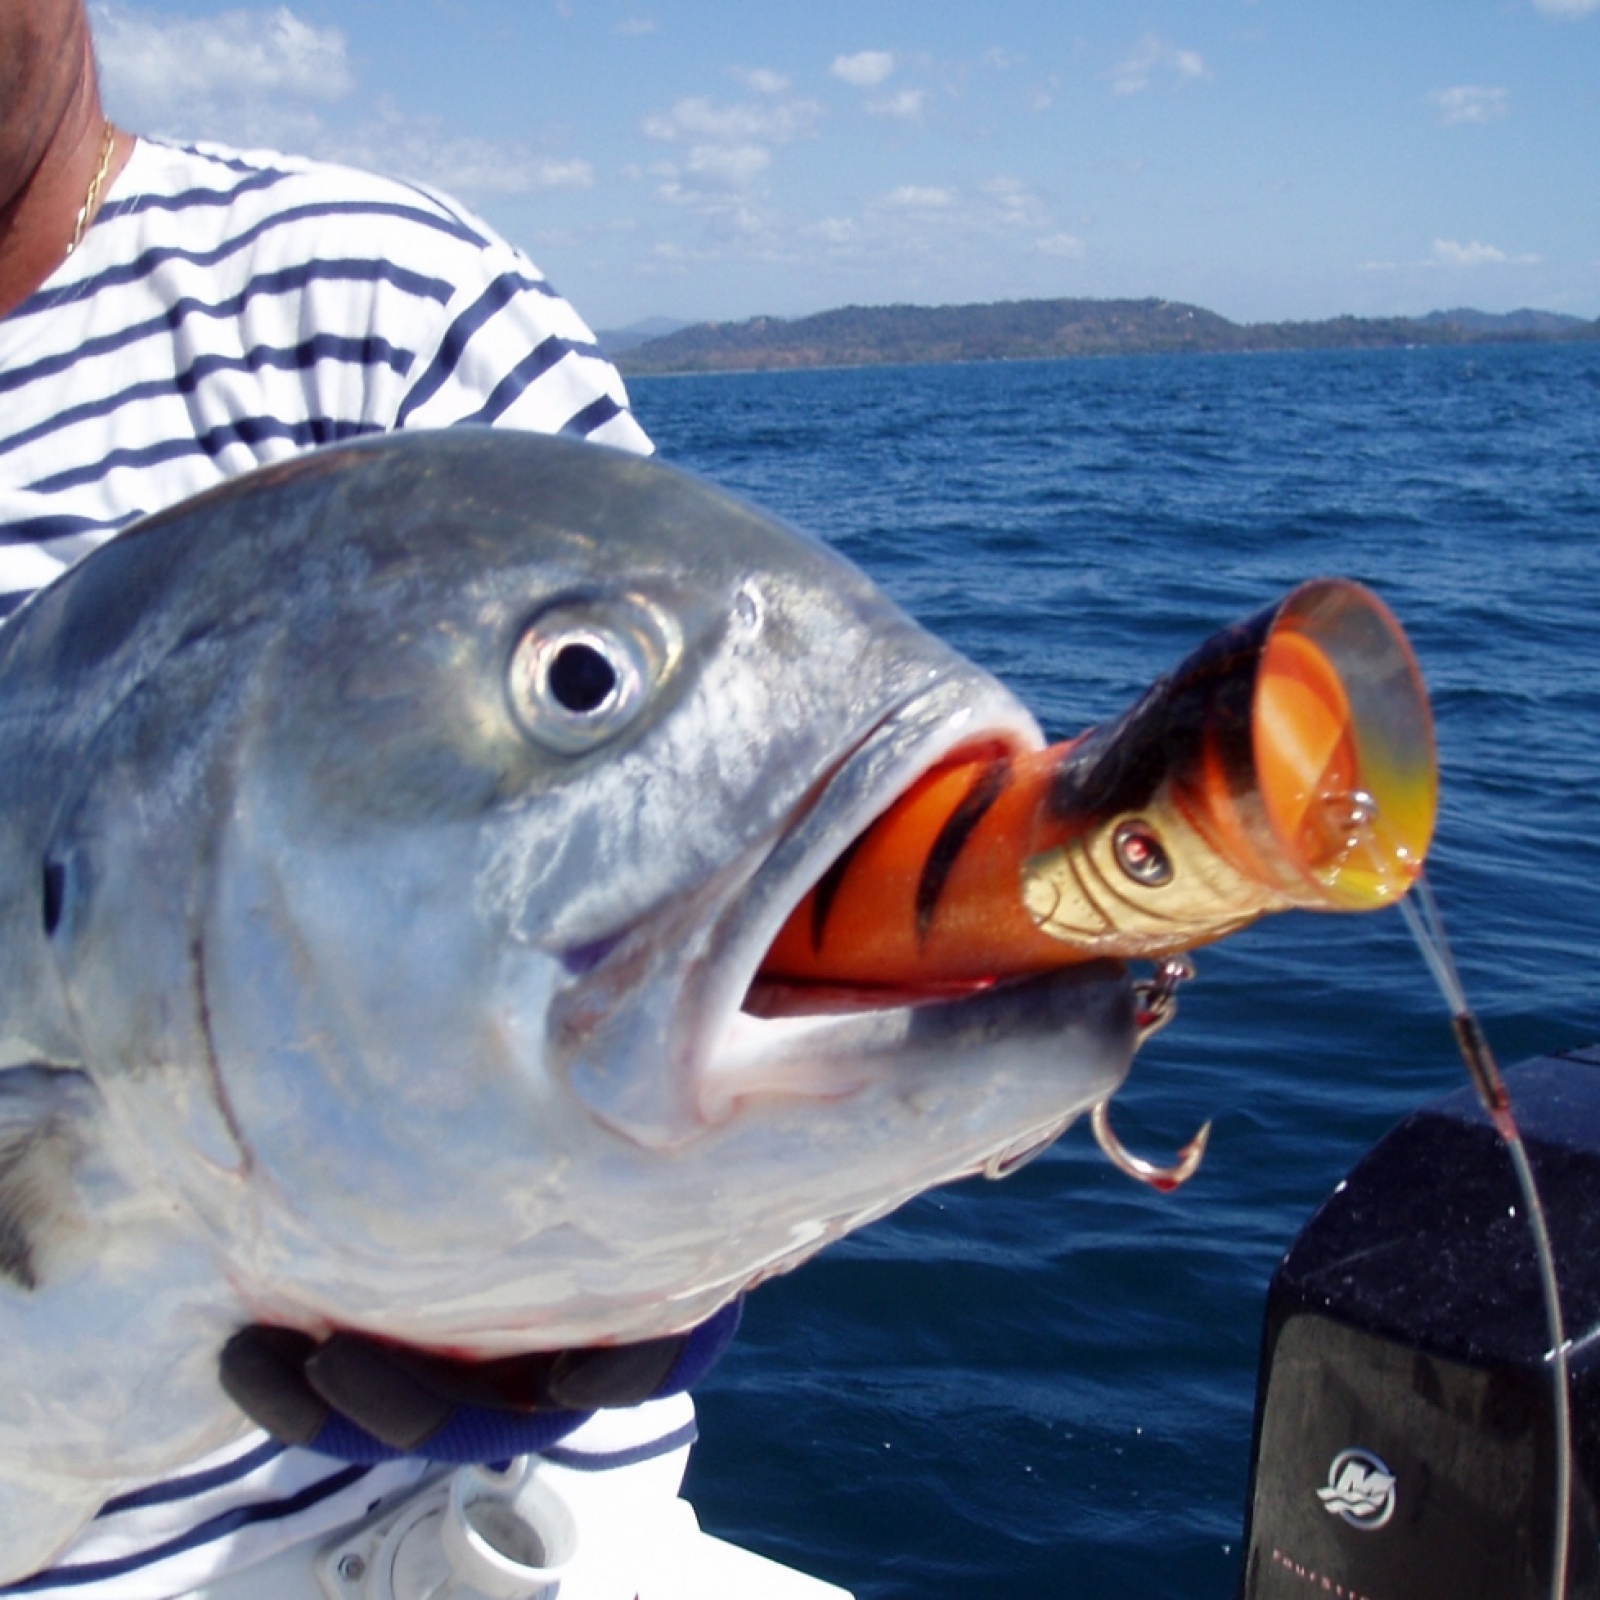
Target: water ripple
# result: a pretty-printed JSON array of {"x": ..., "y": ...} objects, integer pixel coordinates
[{"x": 1005, "y": 1383}]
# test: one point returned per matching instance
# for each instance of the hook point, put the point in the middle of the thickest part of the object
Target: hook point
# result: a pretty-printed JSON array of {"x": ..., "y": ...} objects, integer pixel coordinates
[{"x": 1162, "y": 1179}]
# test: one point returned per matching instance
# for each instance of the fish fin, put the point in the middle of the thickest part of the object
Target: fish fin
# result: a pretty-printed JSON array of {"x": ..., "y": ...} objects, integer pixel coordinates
[{"x": 42, "y": 1113}]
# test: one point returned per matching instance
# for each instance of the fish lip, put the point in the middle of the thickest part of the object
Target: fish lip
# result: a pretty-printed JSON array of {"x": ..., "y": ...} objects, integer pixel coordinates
[{"x": 910, "y": 739}]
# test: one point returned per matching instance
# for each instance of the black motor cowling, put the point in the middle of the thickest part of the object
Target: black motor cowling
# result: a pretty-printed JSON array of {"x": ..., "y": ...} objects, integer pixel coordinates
[{"x": 1404, "y": 1441}]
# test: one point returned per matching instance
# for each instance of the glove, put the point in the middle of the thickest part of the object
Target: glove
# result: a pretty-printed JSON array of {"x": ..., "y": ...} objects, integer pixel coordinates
[{"x": 364, "y": 1399}]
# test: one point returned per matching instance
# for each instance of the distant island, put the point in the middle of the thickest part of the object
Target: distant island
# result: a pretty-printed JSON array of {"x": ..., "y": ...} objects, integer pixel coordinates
[{"x": 1045, "y": 330}]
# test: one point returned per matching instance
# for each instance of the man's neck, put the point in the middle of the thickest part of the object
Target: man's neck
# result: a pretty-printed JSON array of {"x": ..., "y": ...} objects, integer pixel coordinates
[{"x": 41, "y": 223}]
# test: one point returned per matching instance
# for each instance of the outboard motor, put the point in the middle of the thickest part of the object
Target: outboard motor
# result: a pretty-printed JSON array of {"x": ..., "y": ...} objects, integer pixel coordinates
[{"x": 1405, "y": 1432}]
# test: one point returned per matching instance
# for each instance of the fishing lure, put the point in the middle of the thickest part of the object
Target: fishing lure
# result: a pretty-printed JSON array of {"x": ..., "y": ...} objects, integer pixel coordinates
[{"x": 1287, "y": 762}]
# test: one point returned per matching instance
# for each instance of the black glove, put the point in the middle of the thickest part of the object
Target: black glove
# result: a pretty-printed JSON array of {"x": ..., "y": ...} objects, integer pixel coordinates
[{"x": 365, "y": 1399}]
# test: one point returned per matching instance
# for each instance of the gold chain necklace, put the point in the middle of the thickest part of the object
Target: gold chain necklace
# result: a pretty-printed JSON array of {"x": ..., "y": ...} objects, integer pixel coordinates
[{"x": 92, "y": 198}]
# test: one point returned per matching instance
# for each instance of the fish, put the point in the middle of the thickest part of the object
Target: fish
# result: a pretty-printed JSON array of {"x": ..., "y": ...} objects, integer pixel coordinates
[
  {"x": 434, "y": 876},
  {"x": 389, "y": 840}
]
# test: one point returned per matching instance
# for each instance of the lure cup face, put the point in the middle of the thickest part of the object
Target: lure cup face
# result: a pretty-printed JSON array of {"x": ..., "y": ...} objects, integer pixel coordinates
[
  {"x": 1344, "y": 749},
  {"x": 1288, "y": 762}
]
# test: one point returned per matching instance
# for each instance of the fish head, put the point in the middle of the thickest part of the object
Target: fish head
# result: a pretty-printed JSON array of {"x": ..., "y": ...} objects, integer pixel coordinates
[{"x": 445, "y": 800}]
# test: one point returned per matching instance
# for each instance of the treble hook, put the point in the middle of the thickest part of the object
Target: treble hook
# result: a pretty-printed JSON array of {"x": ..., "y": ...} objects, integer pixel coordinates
[
  {"x": 1157, "y": 1006},
  {"x": 1162, "y": 1179}
]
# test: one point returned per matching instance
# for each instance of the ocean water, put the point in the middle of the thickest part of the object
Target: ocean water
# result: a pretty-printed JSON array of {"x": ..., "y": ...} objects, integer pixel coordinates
[{"x": 1044, "y": 1387}]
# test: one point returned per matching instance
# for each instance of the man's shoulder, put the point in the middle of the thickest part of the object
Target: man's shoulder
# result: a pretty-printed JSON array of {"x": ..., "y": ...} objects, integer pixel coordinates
[{"x": 201, "y": 191}]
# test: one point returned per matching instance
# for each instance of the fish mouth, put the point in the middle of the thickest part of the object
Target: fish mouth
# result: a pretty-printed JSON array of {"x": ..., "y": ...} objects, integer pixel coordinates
[
  {"x": 767, "y": 1038},
  {"x": 663, "y": 1038}
]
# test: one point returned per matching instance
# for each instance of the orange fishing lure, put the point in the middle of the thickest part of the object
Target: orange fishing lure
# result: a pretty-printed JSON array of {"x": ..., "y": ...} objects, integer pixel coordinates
[{"x": 1289, "y": 761}]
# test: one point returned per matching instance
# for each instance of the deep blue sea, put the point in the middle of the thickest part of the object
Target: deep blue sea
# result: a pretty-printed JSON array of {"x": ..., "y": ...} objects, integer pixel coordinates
[{"x": 1044, "y": 1387}]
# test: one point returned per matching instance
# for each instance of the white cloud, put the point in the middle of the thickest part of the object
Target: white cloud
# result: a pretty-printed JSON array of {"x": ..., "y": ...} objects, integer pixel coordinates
[
  {"x": 268, "y": 78},
  {"x": 677, "y": 255},
  {"x": 712, "y": 190},
  {"x": 1448, "y": 253},
  {"x": 697, "y": 118},
  {"x": 728, "y": 150},
  {"x": 424, "y": 150},
  {"x": 931, "y": 224},
  {"x": 937, "y": 223},
  {"x": 1470, "y": 102},
  {"x": 760, "y": 79},
  {"x": 833, "y": 230},
  {"x": 920, "y": 197},
  {"x": 1015, "y": 204},
  {"x": 728, "y": 166},
  {"x": 864, "y": 70},
  {"x": 156, "y": 68},
  {"x": 1155, "y": 57},
  {"x": 905, "y": 106},
  {"x": 998, "y": 57},
  {"x": 1569, "y": 10}
]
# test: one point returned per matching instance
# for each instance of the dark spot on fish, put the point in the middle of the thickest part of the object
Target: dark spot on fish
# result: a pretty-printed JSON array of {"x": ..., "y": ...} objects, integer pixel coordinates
[
  {"x": 16, "y": 1255},
  {"x": 986, "y": 789},
  {"x": 581, "y": 678},
  {"x": 55, "y": 894},
  {"x": 39, "y": 1103},
  {"x": 219, "y": 1089},
  {"x": 582, "y": 958}
]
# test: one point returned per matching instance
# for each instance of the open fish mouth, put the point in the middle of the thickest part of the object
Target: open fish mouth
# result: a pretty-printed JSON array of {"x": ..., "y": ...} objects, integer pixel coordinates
[
  {"x": 906, "y": 745},
  {"x": 824, "y": 1042},
  {"x": 683, "y": 989},
  {"x": 1289, "y": 761}
]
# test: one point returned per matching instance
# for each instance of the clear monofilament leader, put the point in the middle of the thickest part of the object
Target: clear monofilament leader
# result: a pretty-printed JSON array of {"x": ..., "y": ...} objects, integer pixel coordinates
[{"x": 1421, "y": 912}]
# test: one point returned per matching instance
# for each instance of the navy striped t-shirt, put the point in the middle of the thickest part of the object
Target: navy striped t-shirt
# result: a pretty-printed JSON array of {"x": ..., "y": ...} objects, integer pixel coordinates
[{"x": 227, "y": 309}]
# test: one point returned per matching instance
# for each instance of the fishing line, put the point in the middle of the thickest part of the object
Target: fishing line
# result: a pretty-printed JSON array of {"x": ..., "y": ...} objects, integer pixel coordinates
[{"x": 1421, "y": 912}]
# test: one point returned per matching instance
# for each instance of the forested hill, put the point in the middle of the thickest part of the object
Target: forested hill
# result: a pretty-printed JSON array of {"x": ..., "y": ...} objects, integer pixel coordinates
[{"x": 1022, "y": 330}]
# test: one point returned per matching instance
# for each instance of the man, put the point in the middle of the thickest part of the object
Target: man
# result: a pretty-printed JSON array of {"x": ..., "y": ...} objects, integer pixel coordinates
[
  {"x": 169, "y": 318},
  {"x": 172, "y": 317}
]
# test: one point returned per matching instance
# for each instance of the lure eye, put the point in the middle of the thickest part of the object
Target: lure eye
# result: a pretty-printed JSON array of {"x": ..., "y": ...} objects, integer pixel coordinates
[
  {"x": 582, "y": 672},
  {"x": 1141, "y": 854}
]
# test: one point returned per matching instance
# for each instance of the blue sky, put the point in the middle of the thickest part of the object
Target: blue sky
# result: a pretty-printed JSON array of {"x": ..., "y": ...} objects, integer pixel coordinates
[{"x": 698, "y": 159}]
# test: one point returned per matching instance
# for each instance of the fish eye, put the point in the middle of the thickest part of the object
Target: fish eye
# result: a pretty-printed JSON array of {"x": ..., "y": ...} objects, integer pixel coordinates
[
  {"x": 1141, "y": 854},
  {"x": 581, "y": 672},
  {"x": 581, "y": 676}
]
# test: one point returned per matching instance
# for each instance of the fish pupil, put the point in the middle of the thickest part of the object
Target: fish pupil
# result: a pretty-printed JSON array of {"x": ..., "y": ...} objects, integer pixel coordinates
[{"x": 581, "y": 678}]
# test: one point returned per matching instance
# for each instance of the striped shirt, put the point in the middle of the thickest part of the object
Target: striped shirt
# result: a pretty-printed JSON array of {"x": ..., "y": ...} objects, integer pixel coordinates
[
  {"x": 228, "y": 309},
  {"x": 245, "y": 1505}
]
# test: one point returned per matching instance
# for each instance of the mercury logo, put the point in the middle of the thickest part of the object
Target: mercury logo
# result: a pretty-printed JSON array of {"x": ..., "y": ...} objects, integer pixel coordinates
[{"x": 1360, "y": 1490}]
